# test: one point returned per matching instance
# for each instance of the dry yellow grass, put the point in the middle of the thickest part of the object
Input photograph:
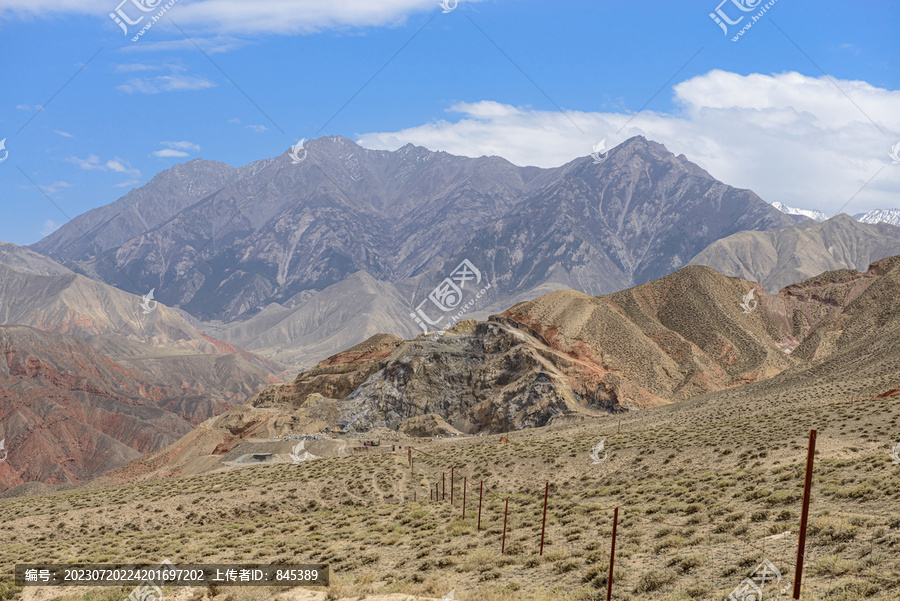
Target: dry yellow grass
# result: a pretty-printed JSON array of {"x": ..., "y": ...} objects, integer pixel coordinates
[{"x": 705, "y": 494}]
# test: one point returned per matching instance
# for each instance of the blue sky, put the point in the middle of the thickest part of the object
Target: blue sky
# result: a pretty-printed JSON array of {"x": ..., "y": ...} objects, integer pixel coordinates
[{"x": 485, "y": 78}]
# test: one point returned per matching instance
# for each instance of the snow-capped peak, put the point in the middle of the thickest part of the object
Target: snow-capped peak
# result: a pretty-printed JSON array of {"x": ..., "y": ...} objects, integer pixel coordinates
[
  {"x": 811, "y": 213},
  {"x": 891, "y": 216}
]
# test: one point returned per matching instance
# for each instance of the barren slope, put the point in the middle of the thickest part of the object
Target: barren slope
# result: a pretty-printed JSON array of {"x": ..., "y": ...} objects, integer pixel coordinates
[
  {"x": 779, "y": 257},
  {"x": 68, "y": 413}
]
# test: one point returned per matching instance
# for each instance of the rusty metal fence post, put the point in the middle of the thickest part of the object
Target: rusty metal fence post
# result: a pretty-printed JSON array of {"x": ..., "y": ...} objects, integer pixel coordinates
[
  {"x": 612, "y": 555},
  {"x": 480, "y": 494},
  {"x": 505, "y": 512},
  {"x": 544, "y": 522},
  {"x": 804, "y": 516}
]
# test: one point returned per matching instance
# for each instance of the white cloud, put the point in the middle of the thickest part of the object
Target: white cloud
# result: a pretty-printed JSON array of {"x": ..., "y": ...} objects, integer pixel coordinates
[
  {"x": 49, "y": 227},
  {"x": 175, "y": 150},
  {"x": 93, "y": 162},
  {"x": 210, "y": 45},
  {"x": 258, "y": 128},
  {"x": 182, "y": 145},
  {"x": 234, "y": 120},
  {"x": 176, "y": 81},
  {"x": 65, "y": 134},
  {"x": 120, "y": 166},
  {"x": 134, "y": 67},
  {"x": 29, "y": 108},
  {"x": 165, "y": 83},
  {"x": 788, "y": 137},
  {"x": 55, "y": 187},
  {"x": 240, "y": 16},
  {"x": 166, "y": 153}
]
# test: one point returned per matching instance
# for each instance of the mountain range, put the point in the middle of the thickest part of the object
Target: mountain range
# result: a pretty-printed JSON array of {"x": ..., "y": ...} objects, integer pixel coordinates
[
  {"x": 337, "y": 264},
  {"x": 890, "y": 216},
  {"x": 90, "y": 380},
  {"x": 811, "y": 213},
  {"x": 694, "y": 336},
  {"x": 250, "y": 249},
  {"x": 68, "y": 412},
  {"x": 296, "y": 261},
  {"x": 782, "y": 256},
  {"x": 43, "y": 294}
]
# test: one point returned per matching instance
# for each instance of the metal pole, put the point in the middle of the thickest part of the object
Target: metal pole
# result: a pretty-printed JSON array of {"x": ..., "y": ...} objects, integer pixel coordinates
[
  {"x": 451, "y": 486},
  {"x": 465, "y": 479},
  {"x": 544, "y": 523},
  {"x": 409, "y": 456},
  {"x": 505, "y": 511},
  {"x": 443, "y": 486},
  {"x": 612, "y": 555},
  {"x": 480, "y": 493},
  {"x": 804, "y": 516}
]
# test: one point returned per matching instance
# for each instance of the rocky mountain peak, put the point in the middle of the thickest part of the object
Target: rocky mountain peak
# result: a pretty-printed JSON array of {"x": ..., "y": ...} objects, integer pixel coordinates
[{"x": 223, "y": 243}]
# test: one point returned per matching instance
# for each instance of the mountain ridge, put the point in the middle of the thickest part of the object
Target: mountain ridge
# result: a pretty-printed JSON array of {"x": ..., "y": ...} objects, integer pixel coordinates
[
  {"x": 890, "y": 216},
  {"x": 691, "y": 338},
  {"x": 811, "y": 213},
  {"x": 782, "y": 256},
  {"x": 69, "y": 413},
  {"x": 280, "y": 229}
]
